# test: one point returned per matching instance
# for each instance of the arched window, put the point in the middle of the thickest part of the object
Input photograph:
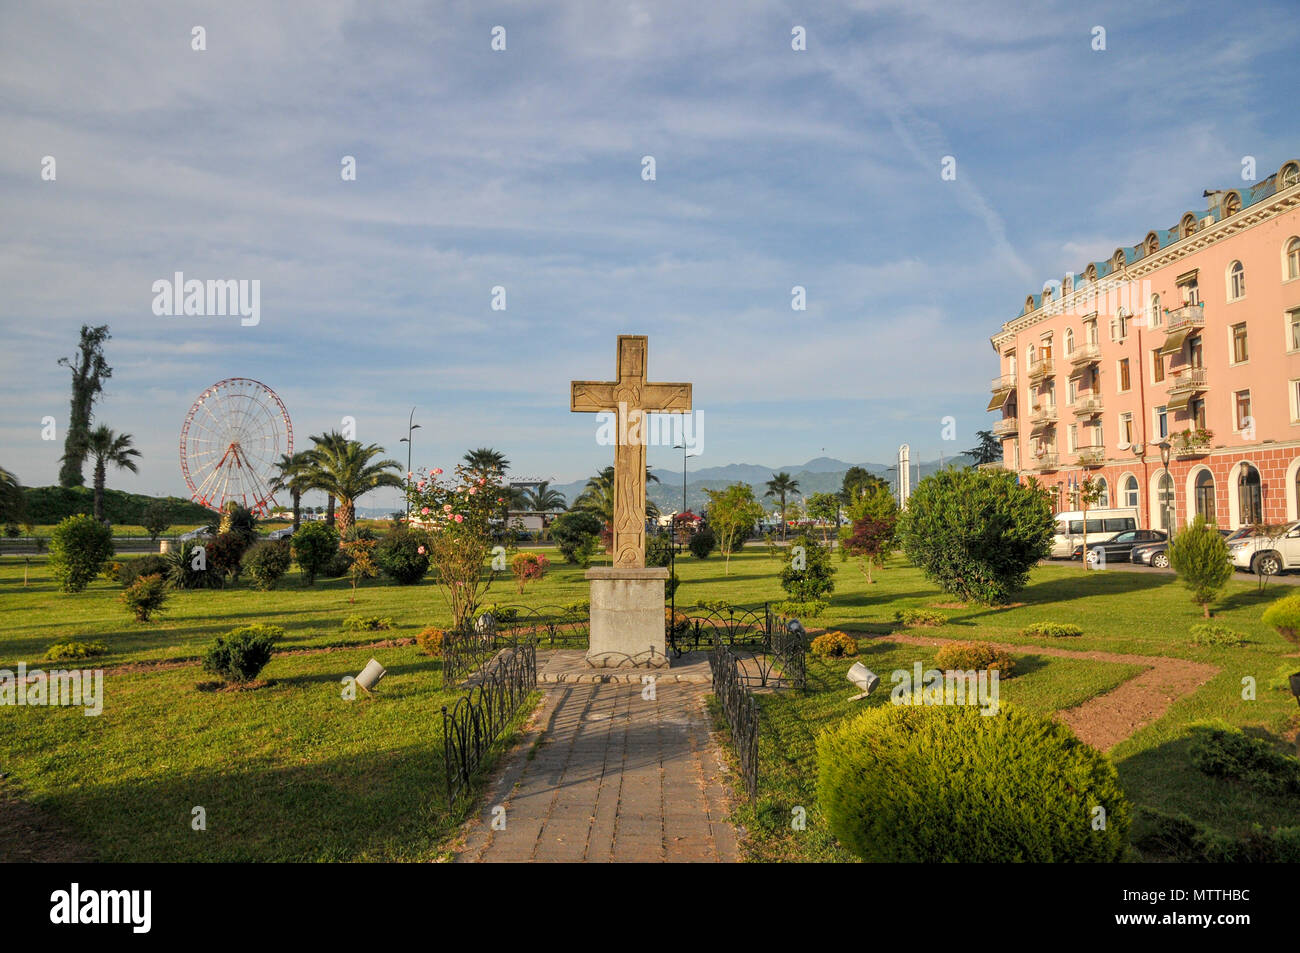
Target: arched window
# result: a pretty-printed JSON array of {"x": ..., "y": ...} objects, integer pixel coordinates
[
  {"x": 1188, "y": 225},
  {"x": 1029, "y": 304},
  {"x": 1117, "y": 260},
  {"x": 1289, "y": 176},
  {"x": 1152, "y": 244},
  {"x": 1033, "y": 352},
  {"x": 1231, "y": 204},
  {"x": 1165, "y": 491},
  {"x": 1250, "y": 497},
  {"x": 1090, "y": 273},
  {"x": 1103, "y": 493},
  {"x": 1236, "y": 281},
  {"x": 1153, "y": 313},
  {"x": 1292, "y": 259},
  {"x": 1069, "y": 341},
  {"x": 1130, "y": 490},
  {"x": 1205, "y": 495}
]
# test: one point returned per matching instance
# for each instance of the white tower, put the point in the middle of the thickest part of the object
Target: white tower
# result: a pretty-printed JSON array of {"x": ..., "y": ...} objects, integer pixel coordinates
[{"x": 904, "y": 474}]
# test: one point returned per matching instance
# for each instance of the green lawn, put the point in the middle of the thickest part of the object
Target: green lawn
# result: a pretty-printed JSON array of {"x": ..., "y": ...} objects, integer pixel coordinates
[{"x": 292, "y": 771}]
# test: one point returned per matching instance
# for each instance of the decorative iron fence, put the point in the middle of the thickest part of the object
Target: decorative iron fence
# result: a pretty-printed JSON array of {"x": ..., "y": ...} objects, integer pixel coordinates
[
  {"x": 787, "y": 648},
  {"x": 467, "y": 649},
  {"x": 740, "y": 710},
  {"x": 701, "y": 627},
  {"x": 477, "y": 719}
]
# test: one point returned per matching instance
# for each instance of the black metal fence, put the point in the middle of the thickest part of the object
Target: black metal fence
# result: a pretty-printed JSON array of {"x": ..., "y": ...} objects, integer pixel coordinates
[
  {"x": 772, "y": 654},
  {"x": 740, "y": 710},
  {"x": 478, "y": 719},
  {"x": 467, "y": 649}
]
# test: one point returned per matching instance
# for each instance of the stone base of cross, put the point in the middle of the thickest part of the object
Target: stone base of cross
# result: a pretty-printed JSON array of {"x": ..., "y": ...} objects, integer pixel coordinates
[{"x": 627, "y": 599}]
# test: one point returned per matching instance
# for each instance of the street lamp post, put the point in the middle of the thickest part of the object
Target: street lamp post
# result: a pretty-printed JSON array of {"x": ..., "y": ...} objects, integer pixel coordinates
[
  {"x": 1171, "y": 503},
  {"x": 411, "y": 427},
  {"x": 672, "y": 535}
]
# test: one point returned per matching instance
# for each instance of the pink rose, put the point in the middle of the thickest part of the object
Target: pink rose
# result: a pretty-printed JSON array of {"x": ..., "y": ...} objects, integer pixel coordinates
[
  {"x": 437, "y": 471},
  {"x": 446, "y": 507},
  {"x": 459, "y": 518},
  {"x": 472, "y": 491},
  {"x": 424, "y": 511},
  {"x": 420, "y": 550},
  {"x": 409, "y": 474}
]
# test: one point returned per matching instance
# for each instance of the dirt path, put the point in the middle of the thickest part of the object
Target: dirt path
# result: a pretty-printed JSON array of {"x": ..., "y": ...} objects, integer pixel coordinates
[{"x": 1106, "y": 720}]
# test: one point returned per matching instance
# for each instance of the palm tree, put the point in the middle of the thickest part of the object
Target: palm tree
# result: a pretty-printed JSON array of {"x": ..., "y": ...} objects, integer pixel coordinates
[
  {"x": 542, "y": 499},
  {"x": 780, "y": 485},
  {"x": 334, "y": 441},
  {"x": 346, "y": 470},
  {"x": 486, "y": 462},
  {"x": 293, "y": 475},
  {"x": 12, "y": 502},
  {"x": 598, "y": 496},
  {"x": 109, "y": 447}
]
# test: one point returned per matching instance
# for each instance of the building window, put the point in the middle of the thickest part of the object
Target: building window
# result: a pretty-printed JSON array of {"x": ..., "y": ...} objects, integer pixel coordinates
[
  {"x": 1195, "y": 351},
  {"x": 1240, "y": 353},
  {"x": 1130, "y": 491},
  {"x": 1231, "y": 204},
  {"x": 1153, "y": 314},
  {"x": 1162, "y": 421},
  {"x": 1292, "y": 269},
  {"x": 1205, "y": 495},
  {"x": 1072, "y": 438},
  {"x": 1188, "y": 225},
  {"x": 1236, "y": 281},
  {"x": 1103, "y": 493},
  {"x": 1196, "y": 410},
  {"x": 1241, "y": 410},
  {"x": 1090, "y": 327},
  {"x": 1124, "y": 382},
  {"x": 1165, "y": 492},
  {"x": 1072, "y": 388},
  {"x": 1125, "y": 430},
  {"x": 1289, "y": 176},
  {"x": 1069, "y": 341},
  {"x": 1033, "y": 352},
  {"x": 1250, "y": 496},
  {"x": 1295, "y": 402},
  {"x": 1157, "y": 366},
  {"x": 1191, "y": 292}
]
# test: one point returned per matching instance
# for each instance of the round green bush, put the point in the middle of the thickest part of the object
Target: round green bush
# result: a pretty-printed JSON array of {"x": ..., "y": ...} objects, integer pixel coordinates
[
  {"x": 242, "y": 653},
  {"x": 1054, "y": 630},
  {"x": 931, "y": 783},
  {"x": 808, "y": 575},
  {"x": 145, "y": 597},
  {"x": 79, "y": 547},
  {"x": 1284, "y": 615},
  {"x": 314, "y": 545},
  {"x": 266, "y": 562},
  {"x": 132, "y": 569},
  {"x": 702, "y": 543},
  {"x": 74, "y": 650},
  {"x": 403, "y": 555},
  {"x": 974, "y": 656}
]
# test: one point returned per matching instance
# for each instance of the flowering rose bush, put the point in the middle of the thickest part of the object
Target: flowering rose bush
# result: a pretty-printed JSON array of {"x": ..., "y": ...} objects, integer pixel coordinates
[
  {"x": 458, "y": 515},
  {"x": 528, "y": 567}
]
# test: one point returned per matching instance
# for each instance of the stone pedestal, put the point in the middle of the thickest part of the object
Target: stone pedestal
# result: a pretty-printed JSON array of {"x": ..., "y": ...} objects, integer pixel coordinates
[{"x": 627, "y": 618}]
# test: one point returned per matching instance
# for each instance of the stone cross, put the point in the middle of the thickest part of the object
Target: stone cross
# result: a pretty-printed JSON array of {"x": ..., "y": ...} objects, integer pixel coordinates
[{"x": 631, "y": 398}]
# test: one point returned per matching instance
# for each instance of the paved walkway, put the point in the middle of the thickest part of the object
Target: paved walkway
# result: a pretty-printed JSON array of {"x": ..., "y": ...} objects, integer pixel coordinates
[{"x": 607, "y": 775}]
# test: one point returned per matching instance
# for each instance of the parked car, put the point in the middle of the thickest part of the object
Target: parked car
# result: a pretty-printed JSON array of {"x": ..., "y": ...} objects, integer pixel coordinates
[
  {"x": 1268, "y": 555},
  {"x": 203, "y": 532},
  {"x": 1119, "y": 548},
  {"x": 1156, "y": 555},
  {"x": 280, "y": 533},
  {"x": 1102, "y": 524}
]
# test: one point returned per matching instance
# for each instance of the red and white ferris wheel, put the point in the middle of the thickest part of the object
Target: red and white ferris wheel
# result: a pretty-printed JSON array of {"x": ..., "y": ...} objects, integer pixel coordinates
[{"x": 233, "y": 437}]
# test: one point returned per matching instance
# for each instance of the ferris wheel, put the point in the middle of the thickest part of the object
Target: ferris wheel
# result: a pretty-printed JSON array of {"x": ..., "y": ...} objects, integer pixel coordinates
[{"x": 233, "y": 437}]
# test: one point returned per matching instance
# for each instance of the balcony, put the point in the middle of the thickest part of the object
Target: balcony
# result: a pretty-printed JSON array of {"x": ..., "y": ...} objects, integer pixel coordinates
[
  {"x": 991, "y": 466},
  {"x": 1041, "y": 369},
  {"x": 1189, "y": 381},
  {"x": 1007, "y": 427},
  {"x": 1185, "y": 318},
  {"x": 1043, "y": 416},
  {"x": 1085, "y": 354},
  {"x": 1091, "y": 456},
  {"x": 1087, "y": 404},
  {"x": 1005, "y": 382},
  {"x": 1046, "y": 461}
]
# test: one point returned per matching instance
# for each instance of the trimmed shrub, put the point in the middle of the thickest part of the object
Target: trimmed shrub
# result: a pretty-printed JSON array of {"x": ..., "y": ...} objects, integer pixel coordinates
[
  {"x": 242, "y": 653},
  {"x": 919, "y": 617},
  {"x": 816, "y": 579},
  {"x": 577, "y": 533},
  {"x": 188, "y": 567},
  {"x": 266, "y": 563},
  {"x": 1200, "y": 557},
  {"x": 145, "y": 597},
  {"x": 367, "y": 623},
  {"x": 430, "y": 641},
  {"x": 314, "y": 545},
  {"x": 1051, "y": 630},
  {"x": 977, "y": 533},
  {"x": 1212, "y": 633},
  {"x": 702, "y": 543},
  {"x": 930, "y": 783},
  {"x": 403, "y": 555},
  {"x": 1179, "y": 838},
  {"x": 659, "y": 550},
  {"x": 801, "y": 608},
  {"x": 152, "y": 565},
  {"x": 965, "y": 656},
  {"x": 1284, "y": 615},
  {"x": 79, "y": 547},
  {"x": 1222, "y": 751},
  {"x": 834, "y": 645},
  {"x": 74, "y": 651}
]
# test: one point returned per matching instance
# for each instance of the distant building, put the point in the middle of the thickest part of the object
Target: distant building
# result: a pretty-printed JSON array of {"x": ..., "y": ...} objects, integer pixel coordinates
[{"x": 1191, "y": 337}]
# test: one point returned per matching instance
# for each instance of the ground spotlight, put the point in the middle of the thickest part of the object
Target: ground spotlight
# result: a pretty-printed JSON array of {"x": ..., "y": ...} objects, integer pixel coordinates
[
  {"x": 864, "y": 678},
  {"x": 795, "y": 627},
  {"x": 371, "y": 675}
]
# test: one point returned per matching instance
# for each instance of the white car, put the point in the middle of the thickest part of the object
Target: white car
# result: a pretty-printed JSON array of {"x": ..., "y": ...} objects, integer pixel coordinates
[
  {"x": 280, "y": 533},
  {"x": 203, "y": 532},
  {"x": 1268, "y": 555}
]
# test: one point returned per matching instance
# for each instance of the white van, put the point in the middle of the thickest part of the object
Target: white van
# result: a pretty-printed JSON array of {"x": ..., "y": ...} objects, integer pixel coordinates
[{"x": 1102, "y": 524}]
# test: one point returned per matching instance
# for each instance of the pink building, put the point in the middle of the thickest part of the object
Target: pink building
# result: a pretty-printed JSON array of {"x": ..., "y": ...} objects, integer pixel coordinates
[{"x": 1191, "y": 338}]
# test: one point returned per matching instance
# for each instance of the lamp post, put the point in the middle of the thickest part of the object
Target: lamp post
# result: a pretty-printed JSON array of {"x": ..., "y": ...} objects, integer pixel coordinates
[
  {"x": 672, "y": 531},
  {"x": 411, "y": 427},
  {"x": 1170, "y": 504}
]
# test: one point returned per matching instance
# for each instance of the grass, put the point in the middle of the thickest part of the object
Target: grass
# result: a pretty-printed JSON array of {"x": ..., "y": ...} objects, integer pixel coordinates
[{"x": 290, "y": 771}]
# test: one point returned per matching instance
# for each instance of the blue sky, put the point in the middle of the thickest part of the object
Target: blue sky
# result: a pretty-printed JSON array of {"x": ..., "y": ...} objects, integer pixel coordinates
[{"x": 522, "y": 169}]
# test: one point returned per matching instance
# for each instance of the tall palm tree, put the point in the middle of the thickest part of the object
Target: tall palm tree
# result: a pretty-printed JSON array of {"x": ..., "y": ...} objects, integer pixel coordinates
[
  {"x": 334, "y": 441},
  {"x": 293, "y": 475},
  {"x": 780, "y": 486},
  {"x": 346, "y": 470},
  {"x": 542, "y": 499},
  {"x": 109, "y": 447},
  {"x": 487, "y": 462},
  {"x": 598, "y": 496},
  {"x": 12, "y": 502}
]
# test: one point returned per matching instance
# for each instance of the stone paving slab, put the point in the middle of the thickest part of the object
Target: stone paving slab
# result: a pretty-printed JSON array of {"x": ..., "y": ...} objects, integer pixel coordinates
[
  {"x": 569, "y": 666},
  {"x": 607, "y": 775}
]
